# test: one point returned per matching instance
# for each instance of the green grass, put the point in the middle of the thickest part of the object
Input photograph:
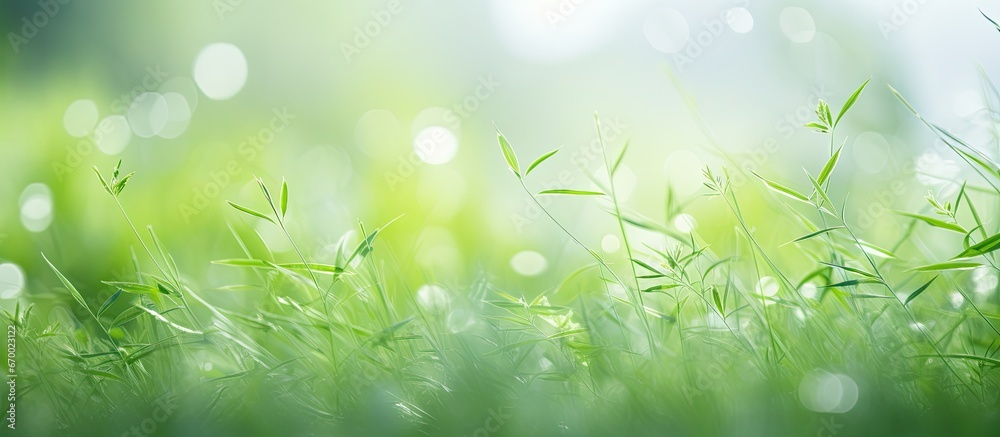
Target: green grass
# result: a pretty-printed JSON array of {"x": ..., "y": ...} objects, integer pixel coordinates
[{"x": 675, "y": 339}]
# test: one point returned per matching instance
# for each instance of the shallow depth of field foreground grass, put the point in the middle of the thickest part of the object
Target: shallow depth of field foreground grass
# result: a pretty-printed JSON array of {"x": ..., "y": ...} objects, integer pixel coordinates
[
  {"x": 784, "y": 313},
  {"x": 897, "y": 339}
]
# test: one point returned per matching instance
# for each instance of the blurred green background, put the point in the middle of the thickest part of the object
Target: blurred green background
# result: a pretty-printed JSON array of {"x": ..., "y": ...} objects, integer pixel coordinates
[{"x": 376, "y": 109}]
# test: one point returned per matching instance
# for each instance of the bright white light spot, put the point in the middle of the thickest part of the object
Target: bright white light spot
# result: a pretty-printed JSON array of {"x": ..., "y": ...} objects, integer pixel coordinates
[
  {"x": 148, "y": 113},
  {"x": 556, "y": 30},
  {"x": 809, "y": 291},
  {"x": 183, "y": 86},
  {"x": 460, "y": 320},
  {"x": 36, "y": 207},
  {"x": 666, "y": 30},
  {"x": 220, "y": 70},
  {"x": 825, "y": 392},
  {"x": 740, "y": 20},
  {"x": 433, "y": 298},
  {"x": 80, "y": 117},
  {"x": 528, "y": 263},
  {"x": 767, "y": 286},
  {"x": 683, "y": 171},
  {"x": 984, "y": 281},
  {"x": 934, "y": 171},
  {"x": 11, "y": 281},
  {"x": 685, "y": 223},
  {"x": 435, "y": 145},
  {"x": 112, "y": 135},
  {"x": 207, "y": 367},
  {"x": 798, "y": 25},
  {"x": 799, "y": 314},
  {"x": 956, "y": 299},
  {"x": 610, "y": 243},
  {"x": 871, "y": 152},
  {"x": 178, "y": 116}
]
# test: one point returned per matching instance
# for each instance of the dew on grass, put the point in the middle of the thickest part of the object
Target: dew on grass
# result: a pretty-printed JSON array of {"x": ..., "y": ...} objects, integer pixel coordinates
[
  {"x": 528, "y": 263},
  {"x": 11, "y": 281},
  {"x": 220, "y": 70},
  {"x": 36, "y": 207},
  {"x": 80, "y": 117}
]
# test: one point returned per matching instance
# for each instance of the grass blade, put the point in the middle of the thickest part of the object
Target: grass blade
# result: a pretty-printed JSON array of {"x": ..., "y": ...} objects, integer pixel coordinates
[
  {"x": 251, "y": 212},
  {"x": 781, "y": 189},
  {"x": 508, "y": 154},
  {"x": 830, "y": 165},
  {"x": 850, "y": 102},
  {"x": 72, "y": 290},
  {"x": 538, "y": 161},
  {"x": 572, "y": 192},
  {"x": 983, "y": 247},
  {"x": 920, "y": 290},
  {"x": 951, "y": 265},
  {"x": 284, "y": 197},
  {"x": 934, "y": 222},
  {"x": 111, "y": 301}
]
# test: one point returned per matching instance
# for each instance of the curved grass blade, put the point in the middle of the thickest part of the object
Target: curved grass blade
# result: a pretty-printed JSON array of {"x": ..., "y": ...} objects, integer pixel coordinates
[
  {"x": 132, "y": 287},
  {"x": 920, "y": 290},
  {"x": 251, "y": 212},
  {"x": 508, "y": 154},
  {"x": 572, "y": 192},
  {"x": 945, "y": 266},
  {"x": 850, "y": 102},
  {"x": 830, "y": 165},
  {"x": 783, "y": 189},
  {"x": 72, "y": 290},
  {"x": 851, "y": 269},
  {"x": 538, "y": 161},
  {"x": 941, "y": 224},
  {"x": 111, "y": 301},
  {"x": 983, "y": 247},
  {"x": 283, "y": 200},
  {"x": 817, "y": 233}
]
